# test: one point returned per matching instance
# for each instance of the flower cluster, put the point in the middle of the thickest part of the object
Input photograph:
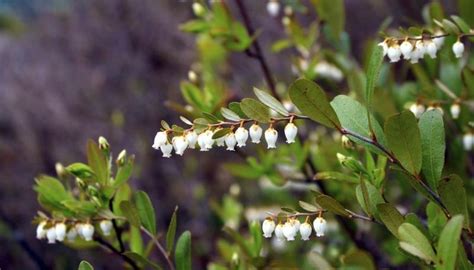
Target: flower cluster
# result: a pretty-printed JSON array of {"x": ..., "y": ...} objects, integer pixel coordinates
[
  {"x": 418, "y": 109},
  {"x": 414, "y": 49},
  {"x": 59, "y": 231},
  {"x": 206, "y": 139},
  {"x": 291, "y": 227}
]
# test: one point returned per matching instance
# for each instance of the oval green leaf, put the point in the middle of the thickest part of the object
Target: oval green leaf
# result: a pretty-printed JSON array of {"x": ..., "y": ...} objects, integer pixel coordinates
[{"x": 255, "y": 110}]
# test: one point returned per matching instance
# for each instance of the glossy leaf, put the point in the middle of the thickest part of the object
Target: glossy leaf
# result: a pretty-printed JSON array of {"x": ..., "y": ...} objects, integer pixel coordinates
[
  {"x": 146, "y": 211},
  {"x": 171, "y": 233},
  {"x": 403, "y": 138},
  {"x": 312, "y": 102},
  {"x": 183, "y": 252},
  {"x": 308, "y": 207},
  {"x": 433, "y": 146},
  {"x": 97, "y": 162},
  {"x": 390, "y": 217},
  {"x": 358, "y": 259},
  {"x": 230, "y": 115},
  {"x": 414, "y": 241},
  {"x": 373, "y": 73},
  {"x": 255, "y": 110},
  {"x": 453, "y": 194},
  {"x": 84, "y": 265},
  {"x": 449, "y": 242},
  {"x": 270, "y": 101},
  {"x": 330, "y": 204},
  {"x": 130, "y": 212},
  {"x": 142, "y": 261}
]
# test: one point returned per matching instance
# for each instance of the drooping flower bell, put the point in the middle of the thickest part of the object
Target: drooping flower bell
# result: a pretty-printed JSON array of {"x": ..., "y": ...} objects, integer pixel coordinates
[
  {"x": 268, "y": 226},
  {"x": 87, "y": 231},
  {"x": 160, "y": 139},
  {"x": 290, "y": 132},
  {"x": 60, "y": 229},
  {"x": 179, "y": 144},
  {"x": 320, "y": 226},
  {"x": 394, "y": 53},
  {"x": 468, "y": 141},
  {"x": 273, "y": 8},
  {"x": 241, "y": 135},
  {"x": 106, "y": 226},
  {"x": 458, "y": 49},
  {"x": 201, "y": 140},
  {"x": 71, "y": 234},
  {"x": 417, "y": 109},
  {"x": 290, "y": 230},
  {"x": 230, "y": 141},
  {"x": 406, "y": 48},
  {"x": 271, "y": 136},
  {"x": 191, "y": 137},
  {"x": 431, "y": 49},
  {"x": 279, "y": 232},
  {"x": 384, "y": 46},
  {"x": 255, "y": 133},
  {"x": 166, "y": 149},
  {"x": 51, "y": 235},
  {"x": 455, "y": 110},
  {"x": 305, "y": 231},
  {"x": 40, "y": 231},
  {"x": 209, "y": 141}
]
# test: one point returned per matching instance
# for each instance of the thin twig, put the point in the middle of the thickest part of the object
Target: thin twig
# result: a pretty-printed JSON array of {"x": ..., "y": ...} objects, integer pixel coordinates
[
  {"x": 117, "y": 230},
  {"x": 114, "y": 250},
  {"x": 160, "y": 247}
]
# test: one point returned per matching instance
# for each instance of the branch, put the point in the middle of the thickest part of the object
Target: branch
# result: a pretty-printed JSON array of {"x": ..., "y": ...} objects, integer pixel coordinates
[
  {"x": 110, "y": 247},
  {"x": 117, "y": 230},
  {"x": 160, "y": 247}
]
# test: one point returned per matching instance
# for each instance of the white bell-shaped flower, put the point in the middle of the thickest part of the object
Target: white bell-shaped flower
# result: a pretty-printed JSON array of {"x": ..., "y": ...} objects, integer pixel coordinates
[
  {"x": 60, "y": 231},
  {"x": 180, "y": 144},
  {"x": 201, "y": 140},
  {"x": 394, "y": 53},
  {"x": 290, "y": 132},
  {"x": 230, "y": 141},
  {"x": 435, "y": 107},
  {"x": 305, "y": 231},
  {"x": 415, "y": 55},
  {"x": 87, "y": 231},
  {"x": 106, "y": 227},
  {"x": 166, "y": 149},
  {"x": 160, "y": 139},
  {"x": 420, "y": 46},
  {"x": 431, "y": 49},
  {"x": 191, "y": 137},
  {"x": 290, "y": 230},
  {"x": 241, "y": 135},
  {"x": 455, "y": 110},
  {"x": 273, "y": 8},
  {"x": 417, "y": 109},
  {"x": 279, "y": 232},
  {"x": 439, "y": 41},
  {"x": 320, "y": 226},
  {"x": 384, "y": 46},
  {"x": 458, "y": 49},
  {"x": 406, "y": 48},
  {"x": 468, "y": 141},
  {"x": 78, "y": 228},
  {"x": 71, "y": 234},
  {"x": 271, "y": 136},
  {"x": 51, "y": 235},
  {"x": 268, "y": 226},
  {"x": 208, "y": 141},
  {"x": 255, "y": 133},
  {"x": 297, "y": 224},
  {"x": 40, "y": 231}
]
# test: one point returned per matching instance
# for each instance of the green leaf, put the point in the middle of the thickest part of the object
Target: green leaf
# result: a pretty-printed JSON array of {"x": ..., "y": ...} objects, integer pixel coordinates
[
  {"x": 403, "y": 137},
  {"x": 230, "y": 115},
  {"x": 235, "y": 107},
  {"x": 124, "y": 172},
  {"x": 97, "y": 162},
  {"x": 85, "y": 266},
  {"x": 142, "y": 261},
  {"x": 338, "y": 176},
  {"x": 414, "y": 241},
  {"x": 450, "y": 27},
  {"x": 255, "y": 110},
  {"x": 183, "y": 252},
  {"x": 436, "y": 219},
  {"x": 365, "y": 201},
  {"x": 130, "y": 212},
  {"x": 331, "y": 205},
  {"x": 353, "y": 116},
  {"x": 332, "y": 11},
  {"x": 312, "y": 102},
  {"x": 80, "y": 170},
  {"x": 257, "y": 238},
  {"x": 453, "y": 195},
  {"x": 373, "y": 73},
  {"x": 370, "y": 200},
  {"x": 448, "y": 243},
  {"x": 309, "y": 207},
  {"x": 465, "y": 8},
  {"x": 136, "y": 240},
  {"x": 146, "y": 211},
  {"x": 358, "y": 259},
  {"x": 390, "y": 217},
  {"x": 270, "y": 101},
  {"x": 171, "y": 233},
  {"x": 461, "y": 23},
  {"x": 221, "y": 133},
  {"x": 433, "y": 146},
  {"x": 51, "y": 193}
]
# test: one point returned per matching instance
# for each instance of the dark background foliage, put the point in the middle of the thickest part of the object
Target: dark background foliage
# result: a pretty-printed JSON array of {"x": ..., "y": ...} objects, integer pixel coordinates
[{"x": 73, "y": 70}]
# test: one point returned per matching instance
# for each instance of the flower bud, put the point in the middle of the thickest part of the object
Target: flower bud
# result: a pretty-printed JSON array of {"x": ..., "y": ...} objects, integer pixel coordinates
[
  {"x": 406, "y": 48},
  {"x": 458, "y": 49},
  {"x": 455, "y": 110},
  {"x": 166, "y": 150},
  {"x": 121, "y": 157},
  {"x": 191, "y": 137},
  {"x": 106, "y": 227},
  {"x": 271, "y": 136},
  {"x": 431, "y": 49},
  {"x": 198, "y": 9},
  {"x": 192, "y": 76},
  {"x": 468, "y": 141},
  {"x": 60, "y": 229},
  {"x": 72, "y": 234},
  {"x": 40, "y": 231},
  {"x": 60, "y": 170},
  {"x": 273, "y": 8},
  {"x": 320, "y": 226},
  {"x": 279, "y": 232},
  {"x": 394, "y": 53},
  {"x": 350, "y": 162},
  {"x": 286, "y": 21},
  {"x": 103, "y": 143},
  {"x": 268, "y": 227},
  {"x": 290, "y": 132},
  {"x": 346, "y": 142},
  {"x": 241, "y": 135},
  {"x": 51, "y": 235},
  {"x": 87, "y": 231},
  {"x": 289, "y": 230},
  {"x": 305, "y": 231},
  {"x": 230, "y": 141},
  {"x": 255, "y": 133},
  {"x": 179, "y": 144},
  {"x": 384, "y": 47},
  {"x": 160, "y": 139}
]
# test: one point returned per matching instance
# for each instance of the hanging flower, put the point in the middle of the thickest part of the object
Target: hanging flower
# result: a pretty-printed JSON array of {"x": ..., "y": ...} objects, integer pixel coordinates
[
  {"x": 455, "y": 110},
  {"x": 241, "y": 135},
  {"x": 191, "y": 137},
  {"x": 279, "y": 232},
  {"x": 106, "y": 226},
  {"x": 320, "y": 226},
  {"x": 268, "y": 227},
  {"x": 271, "y": 136},
  {"x": 230, "y": 141},
  {"x": 160, "y": 139},
  {"x": 208, "y": 141},
  {"x": 60, "y": 229},
  {"x": 394, "y": 53},
  {"x": 290, "y": 230},
  {"x": 431, "y": 49},
  {"x": 417, "y": 109},
  {"x": 305, "y": 231},
  {"x": 290, "y": 132},
  {"x": 406, "y": 49},
  {"x": 51, "y": 235},
  {"x": 166, "y": 150},
  {"x": 273, "y": 8},
  {"x": 179, "y": 144},
  {"x": 458, "y": 49},
  {"x": 255, "y": 133},
  {"x": 87, "y": 231},
  {"x": 72, "y": 234},
  {"x": 468, "y": 141},
  {"x": 201, "y": 140},
  {"x": 40, "y": 231}
]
